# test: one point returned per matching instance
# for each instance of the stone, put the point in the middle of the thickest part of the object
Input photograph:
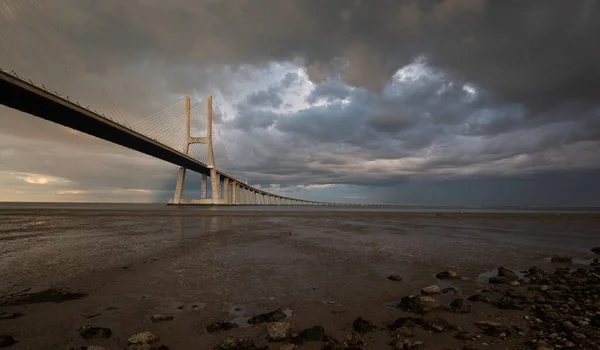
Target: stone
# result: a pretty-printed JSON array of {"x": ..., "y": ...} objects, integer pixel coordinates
[
  {"x": 431, "y": 290},
  {"x": 579, "y": 336},
  {"x": 438, "y": 325},
  {"x": 481, "y": 298},
  {"x": 595, "y": 262},
  {"x": 492, "y": 328},
  {"x": 275, "y": 315},
  {"x": 363, "y": 326},
  {"x": 96, "y": 347},
  {"x": 396, "y": 278},
  {"x": 465, "y": 336},
  {"x": 287, "y": 347},
  {"x": 406, "y": 322},
  {"x": 418, "y": 304},
  {"x": 160, "y": 318},
  {"x": 90, "y": 332},
  {"x": 220, "y": 326},
  {"x": 402, "y": 344},
  {"x": 278, "y": 331},
  {"x": 403, "y": 331},
  {"x": 509, "y": 274},
  {"x": 498, "y": 280},
  {"x": 143, "y": 338},
  {"x": 447, "y": 275},
  {"x": 6, "y": 340},
  {"x": 565, "y": 259},
  {"x": 315, "y": 333},
  {"x": 596, "y": 250},
  {"x": 514, "y": 283},
  {"x": 460, "y": 306}
]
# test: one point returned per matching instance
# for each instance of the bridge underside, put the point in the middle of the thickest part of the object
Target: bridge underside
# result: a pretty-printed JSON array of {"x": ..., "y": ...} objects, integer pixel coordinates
[
  {"x": 47, "y": 106},
  {"x": 30, "y": 99}
]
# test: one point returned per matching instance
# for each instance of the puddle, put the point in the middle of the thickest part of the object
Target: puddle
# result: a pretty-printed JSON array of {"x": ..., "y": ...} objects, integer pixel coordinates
[{"x": 48, "y": 295}]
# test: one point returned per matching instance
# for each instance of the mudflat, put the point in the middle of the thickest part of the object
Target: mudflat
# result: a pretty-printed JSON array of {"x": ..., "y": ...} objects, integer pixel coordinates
[{"x": 72, "y": 278}]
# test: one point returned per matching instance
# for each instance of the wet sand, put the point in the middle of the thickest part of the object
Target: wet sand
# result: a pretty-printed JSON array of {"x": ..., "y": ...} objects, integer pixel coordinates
[{"x": 323, "y": 267}]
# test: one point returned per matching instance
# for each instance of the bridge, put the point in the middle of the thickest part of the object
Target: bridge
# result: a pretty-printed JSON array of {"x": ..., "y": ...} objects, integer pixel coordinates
[
  {"x": 225, "y": 188},
  {"x": 173, "y": 134}
]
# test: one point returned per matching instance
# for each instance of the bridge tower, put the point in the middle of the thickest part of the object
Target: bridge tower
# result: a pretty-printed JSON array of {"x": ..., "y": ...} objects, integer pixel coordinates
[{"x": 214, "y": 177}]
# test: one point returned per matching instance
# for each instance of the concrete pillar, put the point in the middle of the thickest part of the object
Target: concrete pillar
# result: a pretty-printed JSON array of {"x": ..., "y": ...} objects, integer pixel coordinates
[
  {"x": 215, "y": 185},
  {"x": 180, "y": 183},
  {"x": 203, "y": 186},
  {"x": 226, "y": 190},
  {"x": 234, "y": 197}
]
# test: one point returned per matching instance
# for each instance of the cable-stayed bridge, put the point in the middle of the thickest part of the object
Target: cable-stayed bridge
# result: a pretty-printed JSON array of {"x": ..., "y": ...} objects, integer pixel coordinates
[{"x": 180, "y": 134}]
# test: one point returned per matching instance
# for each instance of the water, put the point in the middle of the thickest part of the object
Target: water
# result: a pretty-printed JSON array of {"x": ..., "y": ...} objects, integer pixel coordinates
[{"x": 141, "y": 259}]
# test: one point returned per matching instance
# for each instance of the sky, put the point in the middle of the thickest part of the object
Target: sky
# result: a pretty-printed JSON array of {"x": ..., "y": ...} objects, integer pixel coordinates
[{"x": 467, "y": 102}]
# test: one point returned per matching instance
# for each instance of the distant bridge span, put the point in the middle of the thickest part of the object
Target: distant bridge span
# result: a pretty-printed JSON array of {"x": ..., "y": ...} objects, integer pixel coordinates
[{"x": 29, "y": 98}]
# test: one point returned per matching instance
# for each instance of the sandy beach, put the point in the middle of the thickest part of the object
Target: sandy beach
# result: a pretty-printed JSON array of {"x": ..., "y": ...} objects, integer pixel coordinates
[{"x": 321, "y": 267}]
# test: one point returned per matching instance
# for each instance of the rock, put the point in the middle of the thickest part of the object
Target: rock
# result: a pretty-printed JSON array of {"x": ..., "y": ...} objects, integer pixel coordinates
[
  {"x": 363, "y": 326},
  {"x": 396, "y": 278},
  {"x": 514, "y": 283},
  {"x": 96, "y": 347},
  {"x": 10, "y": 315},
  {"x": 160, "y": 318},
  {"x": 438, "y": 325},
  {"x": 407, "y": 345},
  {"x": 403, "y": 331},
  {"x": 498, "y": 280},
  {"x": 6, "y": 340},
  {"x": 287, "y": 347},
  {"x": 579, "y": 336},
  {"x": 492, "y": 328},
  {"x": 566, "y": 259},
  {"x": 596, "y": 250},
  {"x": 509, "y": 304},
  {"x": 315, "y": 333},
  {"x": 143, "y": 338},
  {"x": 509, "y": 274},
  {"x": 90, "y": 314},
  {"x": 275, "y": 315},
  {"x": 278, "y": 331},
  {"x": 406, "y": 322},
  {"x": 466, "y": 335},
  {"x": 481, "y": 298},
  {"x": 220, "y": 326},
  {"x": 460, "y": 306},
  {"x": 447, "y": 275},
  {"x": 90, "y": 332},
  {"x": 431, "y": 290},
  {"x": 449, "y": 290},
  {"x": 418, "y": 304}
]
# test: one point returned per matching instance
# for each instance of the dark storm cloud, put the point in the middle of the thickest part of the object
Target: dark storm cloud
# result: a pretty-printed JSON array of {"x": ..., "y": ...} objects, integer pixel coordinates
[{"x": 497, "y": 87}]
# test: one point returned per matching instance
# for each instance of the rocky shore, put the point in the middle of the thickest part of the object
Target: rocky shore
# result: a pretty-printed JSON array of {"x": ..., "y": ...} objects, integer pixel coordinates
[{"x": 541, "y": 309}]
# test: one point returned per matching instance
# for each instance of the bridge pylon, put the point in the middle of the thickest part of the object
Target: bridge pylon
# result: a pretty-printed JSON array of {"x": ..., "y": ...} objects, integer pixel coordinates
[{"x": 216, "y": 197}]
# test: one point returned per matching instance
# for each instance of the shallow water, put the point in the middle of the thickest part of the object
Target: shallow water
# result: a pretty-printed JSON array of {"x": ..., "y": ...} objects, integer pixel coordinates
[{"x": 153, "y": 259}]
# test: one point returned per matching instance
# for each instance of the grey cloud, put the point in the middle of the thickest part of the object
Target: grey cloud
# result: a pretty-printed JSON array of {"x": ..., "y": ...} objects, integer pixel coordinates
[{"x": 534, "y": 66}]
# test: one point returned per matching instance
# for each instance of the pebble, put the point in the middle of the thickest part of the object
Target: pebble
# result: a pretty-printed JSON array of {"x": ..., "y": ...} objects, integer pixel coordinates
[
  {"x": 143, "y": 338},
  {"x": 449, "y": 274},
  {"x": 431, "y": 290},
  {"x": 160, "y": 318},
  {"x": 396, "y": 278},
  {"x": 278, "y": 331}
]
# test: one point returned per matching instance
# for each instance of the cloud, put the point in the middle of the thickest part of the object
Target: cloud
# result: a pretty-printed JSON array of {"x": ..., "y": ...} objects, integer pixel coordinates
[
  {"x": 343, "y": 93},
  {"x": 71, "y": 192},
  {"x": 134, "y": 191}
]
